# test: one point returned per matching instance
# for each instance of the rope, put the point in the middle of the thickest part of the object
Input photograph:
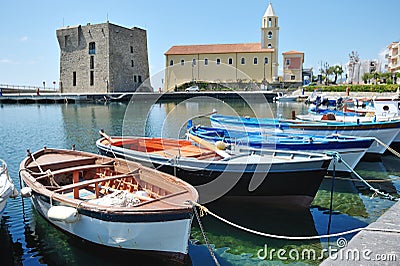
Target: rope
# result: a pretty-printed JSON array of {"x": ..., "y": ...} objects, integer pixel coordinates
[
  {"x": 204, "y": 210},
  {"x": 387, "y": 147},
  {"x": 376, "y": 191},
  {"x": 367, "y": 180},
  {"x": 203, "y": 232}
]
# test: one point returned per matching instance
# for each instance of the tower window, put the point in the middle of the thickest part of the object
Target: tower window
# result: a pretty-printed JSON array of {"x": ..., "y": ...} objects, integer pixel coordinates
[
  {"x": 230, "y": 61},
  {"x": 255, "y": 61},
  {"x": 171, "y": 62},
  {"x": 269, "y": 46},
  {"x": 194, "y": 62},
  {"x": 292, "y": 77},
  {"x": 182, "y": 62},
  {"x": 134, "y": 78},
  {"x": 287, "y": 62},
  {"x": 74, "y": 78},
  {"x": 91, "y": 78},
  {"x": 206, "y": 61},
  {"x": 66, "y": 40},
  {"x": 132, "y": 64},
  {"x": 243, "y": 61},
  {"x": 265, "y": 60},
  {"x": 92, "y": 48},
  {"x": 131, "y": 49},
  {"x": 269, "y": 22},
  {"x": 92, "y": 62},
  {"x": 218, "y": 61},
  {"x": 270, "y": 35},
  {"x": 140, "y": 79}
]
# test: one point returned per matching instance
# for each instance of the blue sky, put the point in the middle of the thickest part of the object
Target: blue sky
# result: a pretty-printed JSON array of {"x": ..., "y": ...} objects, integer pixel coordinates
[{"x": 326, "y": 31}]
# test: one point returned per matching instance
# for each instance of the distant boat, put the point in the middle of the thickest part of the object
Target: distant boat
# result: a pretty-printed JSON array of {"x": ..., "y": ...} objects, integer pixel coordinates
[
  {"x": 7, "y": 188},
  {"x": 385, "y": 131},
  {"x": 110, "y": 202},
  {"x": 281, "y": 97},
  {"x": 285, "y": 177},
  {"x": 350, "y": 148}
]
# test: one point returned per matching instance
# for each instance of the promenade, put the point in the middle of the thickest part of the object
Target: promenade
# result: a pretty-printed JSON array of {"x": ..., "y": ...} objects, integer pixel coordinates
[{"x": 126, "y": 97}]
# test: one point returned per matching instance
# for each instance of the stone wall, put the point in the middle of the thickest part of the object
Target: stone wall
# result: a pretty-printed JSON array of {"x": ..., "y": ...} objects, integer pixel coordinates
[{"x": 106, "y": 68}]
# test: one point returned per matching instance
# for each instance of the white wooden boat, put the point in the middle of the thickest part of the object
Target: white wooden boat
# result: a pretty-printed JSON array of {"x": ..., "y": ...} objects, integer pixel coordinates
[
  {"x": 285, "y": 178},
  {"x": 110, "y": 202},
  {"x": 7, "y": 188}
]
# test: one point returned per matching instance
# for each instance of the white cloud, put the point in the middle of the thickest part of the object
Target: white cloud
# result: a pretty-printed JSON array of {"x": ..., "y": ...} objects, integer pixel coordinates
[
  {"x": 6, "y": 61},
  {"x": 23, "y": 39}
]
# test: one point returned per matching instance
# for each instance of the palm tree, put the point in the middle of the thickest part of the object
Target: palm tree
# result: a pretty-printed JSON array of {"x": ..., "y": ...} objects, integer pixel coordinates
[{"x": 337, "y": 70}]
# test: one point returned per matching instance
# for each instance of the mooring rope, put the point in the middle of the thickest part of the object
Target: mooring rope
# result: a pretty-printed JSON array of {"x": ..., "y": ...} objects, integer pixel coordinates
[
  {"x": 393, "y": 151},
  {"x": 204, "y": 211},
  {"x": 376, "y": 191}
]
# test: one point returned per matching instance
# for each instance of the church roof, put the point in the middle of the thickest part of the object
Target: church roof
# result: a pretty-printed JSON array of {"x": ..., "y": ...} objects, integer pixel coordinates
[
  {"x": 293, "y": 52},
  {"x": 216, "y": 49},
  {"x": 270, "y": 11}
]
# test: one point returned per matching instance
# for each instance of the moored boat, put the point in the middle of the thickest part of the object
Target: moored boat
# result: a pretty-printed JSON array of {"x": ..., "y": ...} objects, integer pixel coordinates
[
  {"x": 285, "y": 178},
  {"x": 7, "y": 188},
  {"x": 385, "y": 131},
  {"x": 351, "y": 149},
  {"x": 110, "y": 202},
  {"x": 281, "y": 97}
]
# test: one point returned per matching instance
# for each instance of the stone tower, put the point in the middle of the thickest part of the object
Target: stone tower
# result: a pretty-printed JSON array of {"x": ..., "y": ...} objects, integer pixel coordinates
[
  {"x": 270, "y": 36},
  {"x": 102, "y": 58}
]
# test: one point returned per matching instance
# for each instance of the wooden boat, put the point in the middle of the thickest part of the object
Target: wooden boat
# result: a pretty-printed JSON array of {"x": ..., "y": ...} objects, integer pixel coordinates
[
  {"x": 386, "y": 131},
  {"x": 351, "y": 149},
  {"x": 7, "y": 188},
  {"x": 110, "y": 202},
  {"x": 283, "y": 178}
]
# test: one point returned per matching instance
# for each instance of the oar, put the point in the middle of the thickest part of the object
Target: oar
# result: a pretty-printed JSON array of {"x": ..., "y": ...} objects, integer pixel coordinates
[
  {"x": 208, "y": 145},
  {"x": 107, "y": 137}
]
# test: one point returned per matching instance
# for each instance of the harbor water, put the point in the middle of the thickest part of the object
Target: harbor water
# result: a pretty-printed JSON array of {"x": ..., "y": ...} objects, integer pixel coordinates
[{"x": 27, "y": 239}]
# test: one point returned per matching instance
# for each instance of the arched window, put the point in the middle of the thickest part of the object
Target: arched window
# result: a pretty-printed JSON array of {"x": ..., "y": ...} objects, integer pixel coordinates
[
  {"x": 265, "y": 60},
  {"x": 255, "y": 61},
  {"x": 270, "y": 35},
  {"x": 218, "y": 61},
  {"x": 206, "y": 61},
  {"x": 171, "y": 63},
  {"x": 230, "y": 61},
  {"x": 92, "y": 48},
  {"x": 270, "y": 46},
  {"x": 182, "y": 62},
  {"x": 243, "y": 60},
  {"x": 269, "y": 22},
  {"x": 194, "y": 61}
]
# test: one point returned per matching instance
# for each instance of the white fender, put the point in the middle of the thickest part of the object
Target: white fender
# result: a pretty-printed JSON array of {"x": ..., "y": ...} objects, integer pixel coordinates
[
  {"x": 26, "y": 192},
  {"x": 63, "y": 214}
]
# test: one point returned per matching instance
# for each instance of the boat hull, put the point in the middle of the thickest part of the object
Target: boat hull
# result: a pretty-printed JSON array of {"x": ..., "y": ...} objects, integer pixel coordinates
[
  {"x": 279, "y": 184},
  {"x": 7, "y": 188},
  {"x": 385, "y": 131},
  {"x": 163, "y": 235}
]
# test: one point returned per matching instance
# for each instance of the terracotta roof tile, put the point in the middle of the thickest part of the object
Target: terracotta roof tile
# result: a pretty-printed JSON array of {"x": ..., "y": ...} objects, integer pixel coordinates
[
  {"x": 216, "y": 49},
  {"x": 293, "y": 52}
]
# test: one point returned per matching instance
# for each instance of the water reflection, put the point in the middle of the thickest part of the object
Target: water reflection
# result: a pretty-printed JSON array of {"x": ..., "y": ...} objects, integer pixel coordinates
[{"x": 27, "y": 239}]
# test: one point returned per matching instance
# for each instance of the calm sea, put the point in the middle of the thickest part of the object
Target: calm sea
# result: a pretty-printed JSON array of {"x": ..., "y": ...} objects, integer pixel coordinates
[{"x": 26, "y": 238}]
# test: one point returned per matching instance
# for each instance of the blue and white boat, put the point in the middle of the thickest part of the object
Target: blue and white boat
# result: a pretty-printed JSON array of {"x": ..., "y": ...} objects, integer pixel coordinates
[
  {"x": 351, "y": 149},
  {"x": 7, "y": 188},
  {"x": 384, "y": 131}
]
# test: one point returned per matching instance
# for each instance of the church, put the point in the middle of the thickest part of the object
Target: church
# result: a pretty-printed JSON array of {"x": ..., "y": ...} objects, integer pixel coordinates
[{"x": 227, "y": 63}]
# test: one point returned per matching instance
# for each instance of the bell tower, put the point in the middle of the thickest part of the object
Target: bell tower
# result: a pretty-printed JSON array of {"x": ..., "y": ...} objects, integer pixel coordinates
[{"x": 270, "y": 36}]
